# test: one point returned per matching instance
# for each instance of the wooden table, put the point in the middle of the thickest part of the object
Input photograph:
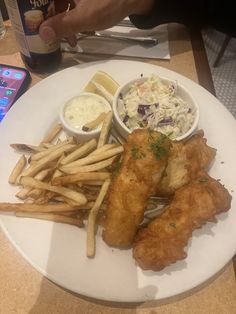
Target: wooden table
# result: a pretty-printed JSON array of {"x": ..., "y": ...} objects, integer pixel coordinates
[{"x": 24, "y": 290}]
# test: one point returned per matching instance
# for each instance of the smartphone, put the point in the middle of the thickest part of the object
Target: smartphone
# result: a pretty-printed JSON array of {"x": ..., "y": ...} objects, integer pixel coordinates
[{"x": 14, "y": 81}]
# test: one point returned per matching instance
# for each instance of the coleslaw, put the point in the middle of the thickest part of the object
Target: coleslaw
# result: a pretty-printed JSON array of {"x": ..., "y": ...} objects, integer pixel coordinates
[{"x": 153, "y": 103}]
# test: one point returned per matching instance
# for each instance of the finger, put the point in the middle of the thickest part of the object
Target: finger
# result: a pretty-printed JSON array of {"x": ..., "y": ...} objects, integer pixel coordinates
[
  {"x": 72, "y": 40},
  {"x": 78, "y": 20},
  {"x": 52, "y": 28},
  {"x": 63, "y": 25}
]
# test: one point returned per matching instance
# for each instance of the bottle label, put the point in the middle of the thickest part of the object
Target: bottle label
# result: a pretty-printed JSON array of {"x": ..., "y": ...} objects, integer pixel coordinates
[{"x": 26, "y": 18}]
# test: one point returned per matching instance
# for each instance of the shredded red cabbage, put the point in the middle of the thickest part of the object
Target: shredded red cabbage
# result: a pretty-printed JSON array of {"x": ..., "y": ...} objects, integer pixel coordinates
[
  {"x": 126, "y": 119},
  {"x": 142, "y": 109},
  {"x": 166, "y": 121}
]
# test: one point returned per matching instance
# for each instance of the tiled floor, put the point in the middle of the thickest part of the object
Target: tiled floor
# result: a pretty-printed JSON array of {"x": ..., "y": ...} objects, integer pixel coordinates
[{"x": 224, "y": 75}]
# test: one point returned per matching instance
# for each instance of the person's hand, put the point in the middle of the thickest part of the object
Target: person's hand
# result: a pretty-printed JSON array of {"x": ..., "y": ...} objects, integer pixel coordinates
[{"x": 89, "y": 16}]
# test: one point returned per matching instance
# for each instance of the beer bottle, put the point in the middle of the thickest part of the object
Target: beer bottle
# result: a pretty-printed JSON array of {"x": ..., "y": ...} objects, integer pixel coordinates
[{"x": 26, "y": 17}]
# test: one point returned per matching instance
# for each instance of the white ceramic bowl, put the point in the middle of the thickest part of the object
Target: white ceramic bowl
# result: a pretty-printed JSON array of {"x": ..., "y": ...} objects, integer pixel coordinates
[
  {"x": 78, "y": 133},
  {"x": 181, "y": 92}
]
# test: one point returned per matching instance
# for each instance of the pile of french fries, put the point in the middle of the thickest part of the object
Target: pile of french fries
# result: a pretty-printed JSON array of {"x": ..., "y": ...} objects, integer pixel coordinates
[{"x": 65, "y": 181}]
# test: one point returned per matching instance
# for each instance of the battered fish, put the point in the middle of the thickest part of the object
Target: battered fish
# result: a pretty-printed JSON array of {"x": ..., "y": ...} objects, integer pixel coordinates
[
  {"x": 163, "y": 242},
  {"x": 185, "y": 160},
  {"x": 144, "y": 162}
]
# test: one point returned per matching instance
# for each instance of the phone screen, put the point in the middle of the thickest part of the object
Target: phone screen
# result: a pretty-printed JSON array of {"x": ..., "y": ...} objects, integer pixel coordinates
[{"x": 11, "y": 81}]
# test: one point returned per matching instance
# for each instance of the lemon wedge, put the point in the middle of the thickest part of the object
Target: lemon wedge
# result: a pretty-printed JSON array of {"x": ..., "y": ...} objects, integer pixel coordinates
[{"x": 102, "y": 84}]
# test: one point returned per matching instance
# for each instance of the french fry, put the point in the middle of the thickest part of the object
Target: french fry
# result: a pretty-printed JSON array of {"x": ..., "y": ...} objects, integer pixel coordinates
[
  {"x": 92, "y": 219},
  {"x": 85, "y": 207},
  {"x": 91, "y": 197},
  {"x": 79, "y": 198},
  {"x": 91, "y": 189},
  {"x": 44, "y": 162},
  {"x": 59, "y": 161},
  {"x": 48, "y": 196},
  {"x": 69, "y": 214},
  {"x": 103, "y": 149},
  {"x": 95, "y": 123},
  {"x": 35, "y": 193},
  {"x": 94, "y": 158},
  {"x": 53, "y": 217},
  {"x": 83, "y": 176},
  {"x": 47, "y": 145},
  {"x": 69, "y": 201},
  {"x": 28, "y": 201},
  {"x": 27, "y": 149},
  {"x": 41, "y": 200},
  {"x": 64, "y": 181},
  {"x": 105, "y": 129},
  {"x": 20, "y": 165},
  {"x": 43, "y": 174},
  {"x": 80, "y": 152},
  {"x": 97, "y": 182},
  {"x": 46, "y": 208},
  {"x": 59, "y": 198},
  {"x": 48, "y": 151},
  {"x": 53, "y": 132},
  {"x": 22, "y": 194},
  {"x": 90, "y": 168},
  {"x": 57, "y": 173},
  {"x": 117, "y": 136}
]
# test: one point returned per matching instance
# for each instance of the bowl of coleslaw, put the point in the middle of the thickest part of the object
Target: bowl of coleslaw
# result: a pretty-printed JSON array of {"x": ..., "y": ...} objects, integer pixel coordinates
[{"x": 157, "y": 103}]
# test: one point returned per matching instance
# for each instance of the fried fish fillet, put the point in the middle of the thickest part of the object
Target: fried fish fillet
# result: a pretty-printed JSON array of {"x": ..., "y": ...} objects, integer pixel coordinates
[
  {"x": 163, "y": 242},
  {"x": 185, "y": 160},
  {"x": 144, "y": 162}
]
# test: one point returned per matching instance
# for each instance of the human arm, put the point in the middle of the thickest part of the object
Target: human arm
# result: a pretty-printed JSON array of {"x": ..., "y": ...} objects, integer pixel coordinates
[{"x": 92, "y": 15}]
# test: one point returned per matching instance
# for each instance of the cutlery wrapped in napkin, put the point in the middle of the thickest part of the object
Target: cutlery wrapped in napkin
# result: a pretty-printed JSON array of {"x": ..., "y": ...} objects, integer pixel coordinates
[{"x": 150, "y": 43}]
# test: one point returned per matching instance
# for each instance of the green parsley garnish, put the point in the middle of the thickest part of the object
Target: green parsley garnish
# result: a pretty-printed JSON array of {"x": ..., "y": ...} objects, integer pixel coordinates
[
  {"x": 158, "y": 150},
  {"x": 157, "y": 147},
  {"x": 137, "y": 153},
  {"x": 150, "y": 131}
]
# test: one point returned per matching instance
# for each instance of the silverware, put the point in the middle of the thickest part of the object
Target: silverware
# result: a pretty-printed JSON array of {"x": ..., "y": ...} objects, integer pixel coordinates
[
  {"x": 140, "y": 40},
  {"x": 125, "y": 23}
]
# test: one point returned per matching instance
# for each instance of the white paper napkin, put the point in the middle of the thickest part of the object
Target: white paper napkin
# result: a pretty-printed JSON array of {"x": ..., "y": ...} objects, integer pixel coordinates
[{"x": 93, "y": 45}]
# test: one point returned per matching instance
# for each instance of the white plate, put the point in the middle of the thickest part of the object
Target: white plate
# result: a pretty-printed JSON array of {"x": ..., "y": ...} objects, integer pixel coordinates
[{"x": 58, "y": 250}]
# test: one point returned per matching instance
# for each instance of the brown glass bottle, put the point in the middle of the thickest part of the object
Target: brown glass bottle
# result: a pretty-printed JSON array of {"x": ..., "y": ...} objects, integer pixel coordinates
[
  {"x": 26, "y": 17},
  {"x": 43, "y": 63}
]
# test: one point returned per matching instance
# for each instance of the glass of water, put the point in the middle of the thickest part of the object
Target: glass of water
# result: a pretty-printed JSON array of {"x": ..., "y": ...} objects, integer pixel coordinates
[{"x": 2, "y": 27}]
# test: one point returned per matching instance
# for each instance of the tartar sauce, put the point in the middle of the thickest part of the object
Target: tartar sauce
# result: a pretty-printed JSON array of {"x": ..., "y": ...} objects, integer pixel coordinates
[{"x": 83, "y": 109}]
